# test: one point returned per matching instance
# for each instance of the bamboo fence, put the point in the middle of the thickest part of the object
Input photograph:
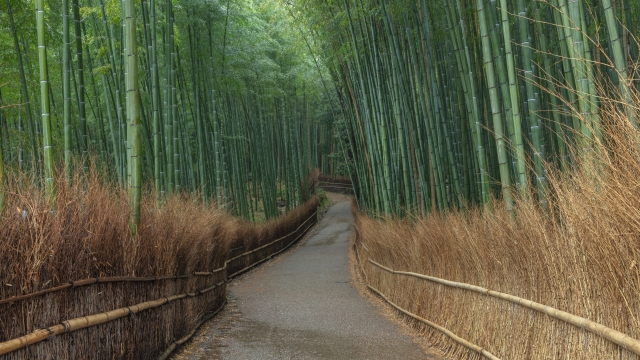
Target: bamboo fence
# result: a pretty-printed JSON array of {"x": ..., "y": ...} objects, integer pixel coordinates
[
  {"x": 612, "y": 335},
  {"x": 136, "y": 329},
  {"x": 335, "y": 184},
  {"x": 443, "y": 330}
]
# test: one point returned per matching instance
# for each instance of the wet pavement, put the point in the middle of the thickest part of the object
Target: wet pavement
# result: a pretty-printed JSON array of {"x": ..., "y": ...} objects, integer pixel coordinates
[{"x": 303, "y": 306}]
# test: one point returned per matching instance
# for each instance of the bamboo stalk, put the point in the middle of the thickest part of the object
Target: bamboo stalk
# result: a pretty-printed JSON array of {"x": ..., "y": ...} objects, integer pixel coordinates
[
  {"x": 134, "y": 140},
  {"x": 619, "y": 60},
  {"x": 81, "y": 87},
  {"x": 85, "y": 322},
  {"x": 44, "y": 98},
  {"x": 25, "y": 92},
  {"x": 495, "y": 108}
]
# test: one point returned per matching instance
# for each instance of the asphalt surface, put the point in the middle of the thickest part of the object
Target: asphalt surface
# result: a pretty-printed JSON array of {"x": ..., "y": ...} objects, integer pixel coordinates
[{"x": 303, "y": 306}]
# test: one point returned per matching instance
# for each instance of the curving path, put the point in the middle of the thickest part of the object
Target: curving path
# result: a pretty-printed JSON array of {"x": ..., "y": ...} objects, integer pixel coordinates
[{"x": 303, "y": 306}]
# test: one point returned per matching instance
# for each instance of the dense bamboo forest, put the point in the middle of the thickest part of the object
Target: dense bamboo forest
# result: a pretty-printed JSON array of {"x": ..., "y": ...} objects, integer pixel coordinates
[
  {"x": 225, "y": 99},
  {"x": 426, "y": 105},
  {"x": 492, "y": 148},
  {"x": 452, "y": 103}
]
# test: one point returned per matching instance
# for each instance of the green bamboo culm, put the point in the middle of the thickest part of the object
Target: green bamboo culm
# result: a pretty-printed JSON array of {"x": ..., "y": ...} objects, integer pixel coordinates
[
  {"x": 66, "y": 88},
  {"x": 194, "y": 116},
  {"x": 2, "y": 190},
  {"x": 133, "y": 117},
  {"x": 155, "y": 105},
  {"x": 81, "y": 88},
  {"x": 532, "y": 101},
  {"x": 44, "y": 98},
  {"x": 619, "y": 60},
  {"x": 495, "y": 109},
  {"x": 3, "y": 133},
  {"x": 516, "y": 121},
  {"x": 25, "y": 93}
]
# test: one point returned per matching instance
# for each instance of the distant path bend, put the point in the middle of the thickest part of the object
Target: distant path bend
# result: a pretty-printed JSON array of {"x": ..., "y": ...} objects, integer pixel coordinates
[{"x": 303, "y": 306}]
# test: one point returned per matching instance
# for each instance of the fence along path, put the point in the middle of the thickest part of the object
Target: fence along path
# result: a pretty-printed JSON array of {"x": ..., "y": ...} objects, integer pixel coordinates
[
  {"x": 235, "y": 266},
  {"x": 337, "y": 185},
  {"x": 304, "y": 306},
  {"x": 612, "y": 335}
]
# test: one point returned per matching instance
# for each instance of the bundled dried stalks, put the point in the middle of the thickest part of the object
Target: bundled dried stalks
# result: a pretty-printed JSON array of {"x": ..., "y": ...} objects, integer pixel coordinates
[
  {"x": 86, "y": 234},
  {"x": 580, "y": 255}
]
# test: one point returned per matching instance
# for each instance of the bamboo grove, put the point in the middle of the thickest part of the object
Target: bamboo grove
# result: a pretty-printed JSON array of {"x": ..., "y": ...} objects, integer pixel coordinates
[
  {"x": 450, "y": 103},
  {"x": 213, "y": 97}
]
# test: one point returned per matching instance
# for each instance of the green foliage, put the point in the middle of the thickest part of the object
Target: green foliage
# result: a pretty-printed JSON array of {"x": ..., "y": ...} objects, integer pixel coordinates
[
  {"x": 323, "y": 200},
  {"x": 237, "y": 80}
]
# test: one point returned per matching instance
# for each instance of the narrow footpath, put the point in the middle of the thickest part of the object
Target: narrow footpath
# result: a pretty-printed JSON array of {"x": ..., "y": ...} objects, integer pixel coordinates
[{"x": 303, "y": 306}]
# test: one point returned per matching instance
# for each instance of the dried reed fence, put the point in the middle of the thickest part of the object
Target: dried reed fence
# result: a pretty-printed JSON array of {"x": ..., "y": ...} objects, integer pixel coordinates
[
  {"x": 139, "y": 295},
  {"x": 581, "y": 260},
  {"x": 524, "y": 287}
]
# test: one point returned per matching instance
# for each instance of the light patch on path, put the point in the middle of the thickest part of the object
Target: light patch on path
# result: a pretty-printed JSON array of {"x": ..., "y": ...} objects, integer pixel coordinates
[{"x": 303, "y": 306}]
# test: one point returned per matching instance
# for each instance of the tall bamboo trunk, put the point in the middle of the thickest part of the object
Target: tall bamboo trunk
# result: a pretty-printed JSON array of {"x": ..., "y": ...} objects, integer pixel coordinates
[
  {"x": 133, "y": 118},
  {"x": 44, "y": 98}
]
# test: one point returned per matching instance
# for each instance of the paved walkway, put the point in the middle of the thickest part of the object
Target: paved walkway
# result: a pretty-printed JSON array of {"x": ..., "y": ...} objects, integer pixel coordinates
[{"x": 303, "y": 306}]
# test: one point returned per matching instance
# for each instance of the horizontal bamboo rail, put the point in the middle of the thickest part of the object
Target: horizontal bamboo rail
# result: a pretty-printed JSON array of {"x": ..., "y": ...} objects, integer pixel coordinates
[
  {"x": 276, "y": 253},
  {"x": 443, "y": 330},
  {"x": 271, "y": 243},
  {"x": 93, "y": 320},
  {"x": 612, "y": 335},
  {"x": 104, "y": 280},
  {"x": 113, "y": 279},
  {"x": 175, "y": 345},
  {"x": 104, "y": 317},
  {"x": 451, "y": 335},
  {"x": 335, "y": 184}
]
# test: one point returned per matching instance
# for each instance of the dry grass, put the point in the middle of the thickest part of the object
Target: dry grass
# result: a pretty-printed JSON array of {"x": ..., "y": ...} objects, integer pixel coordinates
[
  {"x": 86, "y": 234},
  {"x": 581, "y": 256}
]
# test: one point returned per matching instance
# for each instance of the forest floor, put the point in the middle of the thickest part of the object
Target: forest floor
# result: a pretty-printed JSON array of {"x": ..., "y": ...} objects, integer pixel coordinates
[{"x": 304, "y": 305}]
